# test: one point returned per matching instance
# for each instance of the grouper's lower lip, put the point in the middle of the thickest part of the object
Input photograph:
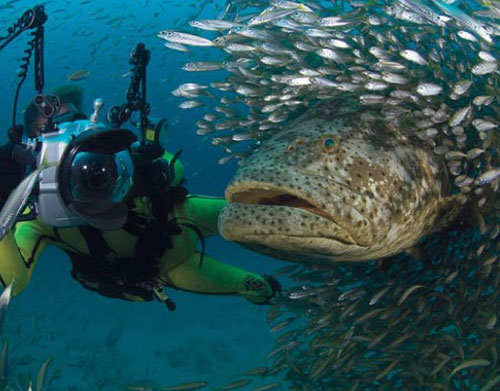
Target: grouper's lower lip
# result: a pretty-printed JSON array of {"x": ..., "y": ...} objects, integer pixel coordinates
[
  {"x": 307, "y": 250},
  {"x": 243, "y": 223}
]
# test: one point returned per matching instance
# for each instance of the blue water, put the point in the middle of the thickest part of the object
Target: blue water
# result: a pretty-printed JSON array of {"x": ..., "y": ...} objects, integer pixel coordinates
[{"x": 105, "y": 344}]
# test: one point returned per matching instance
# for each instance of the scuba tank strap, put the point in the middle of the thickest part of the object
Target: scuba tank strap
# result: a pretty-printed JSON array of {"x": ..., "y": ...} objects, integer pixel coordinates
[
  {"x": 197, "y": 230},
  {"x": 98, "y": 248},
  {"x": 199, "y": 233}
]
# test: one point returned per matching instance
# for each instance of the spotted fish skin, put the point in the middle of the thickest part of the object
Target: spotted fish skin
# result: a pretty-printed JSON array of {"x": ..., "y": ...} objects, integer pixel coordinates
[{"x": 339, "y": 184}]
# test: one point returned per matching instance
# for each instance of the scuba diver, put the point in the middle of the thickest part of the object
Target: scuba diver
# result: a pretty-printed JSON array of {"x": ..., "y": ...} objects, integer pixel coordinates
[
  {"x": 115, "y": 204},
  {"x": 132, "y": 248}
]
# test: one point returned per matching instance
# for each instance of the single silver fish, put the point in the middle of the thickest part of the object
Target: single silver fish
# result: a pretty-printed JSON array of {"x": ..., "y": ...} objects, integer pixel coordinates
[
  {"x": 287, "y": 5},
  {"x": 394, "y": 78},
  {"x": 461, "y": 87},
  {"x": 176, "y": 46},
  {"x": 467, "y": 36},
  {"x": 465, "y": 20},
  {"x": 40, "y": 379},
  {"x": 331, "y": 54},
  {"x": 202, "y": 66},
  {"x": 190, "y": 104},
  {"x": 268, "y": 17},
  {"x": 459, "y": 116},
  {"x": 487, "y": 177},
  {"x": 252, "y": 33},
  {"x": 413, "y": 56},
  {"x": 214, "y": 24},
  {"x": 429, "y": 89},
  {"x": 481, "y": 100},
  {"x": 426, "y": 12},
  {"x": 4, "y": 302},
  {"x": 484, "y": 68},
  {"x": 486, "y": 56},
  {"x": 482, "y": 125},
  {"x": 184, "y": 38}
]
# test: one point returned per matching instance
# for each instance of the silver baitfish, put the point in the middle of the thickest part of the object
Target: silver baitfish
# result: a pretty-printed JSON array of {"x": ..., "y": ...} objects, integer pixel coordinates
[{"x": 184, "y": 38}]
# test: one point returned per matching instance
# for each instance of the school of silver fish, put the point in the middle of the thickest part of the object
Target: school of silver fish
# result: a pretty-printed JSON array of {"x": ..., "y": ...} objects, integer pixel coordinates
[{"x": 426, "y": 321}]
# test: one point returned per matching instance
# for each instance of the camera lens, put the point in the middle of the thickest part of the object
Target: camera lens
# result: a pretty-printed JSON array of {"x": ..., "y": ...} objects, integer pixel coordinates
[
  {"x": 96, "y": 176},
  {"x": 93, "y": 176}
]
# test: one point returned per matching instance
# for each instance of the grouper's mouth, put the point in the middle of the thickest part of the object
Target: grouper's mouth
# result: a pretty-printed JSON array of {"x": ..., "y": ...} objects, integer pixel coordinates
[
  {"x": 260, "y": 210},
  {"x": 315, "y": 223},
  {"x": 286, "y": 224},
  {"x": 278, "y": 198}
]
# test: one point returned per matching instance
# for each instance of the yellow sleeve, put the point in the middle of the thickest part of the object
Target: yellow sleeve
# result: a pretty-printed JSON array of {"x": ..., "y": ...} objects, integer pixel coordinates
[
  {"x": 204, "y": 212},
  {"x": 219, "y": 278},
  {"x": 19, "y": 253},
  {"x": 178, "y": 168}
]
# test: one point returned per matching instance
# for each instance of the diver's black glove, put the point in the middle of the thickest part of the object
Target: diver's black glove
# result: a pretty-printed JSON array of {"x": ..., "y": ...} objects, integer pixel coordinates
[
  {"x": 275, "y": 290},
  {"x": 154, "y": 175},
  {"x": 148, "y": 151},
  {"x": 151, "y": 171},
  {"x": 11, "y": 171}
]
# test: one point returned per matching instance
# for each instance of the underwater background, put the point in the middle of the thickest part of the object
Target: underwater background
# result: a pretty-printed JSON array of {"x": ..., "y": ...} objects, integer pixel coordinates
[
  {"x": 438, "y": 326},
  {"x": 96, "y": 343}
]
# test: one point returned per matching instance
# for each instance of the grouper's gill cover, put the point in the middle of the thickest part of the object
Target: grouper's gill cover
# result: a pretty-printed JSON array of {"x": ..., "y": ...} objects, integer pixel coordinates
[{"x": 339, "y": 184}]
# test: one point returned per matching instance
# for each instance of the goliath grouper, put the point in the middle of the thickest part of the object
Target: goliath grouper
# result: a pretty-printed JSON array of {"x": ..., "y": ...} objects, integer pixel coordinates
[{"x": 339, "y": 184}]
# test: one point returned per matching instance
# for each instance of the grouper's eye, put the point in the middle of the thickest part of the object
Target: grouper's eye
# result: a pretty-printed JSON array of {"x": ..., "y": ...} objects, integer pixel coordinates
[{"x": 329, "y": 143}]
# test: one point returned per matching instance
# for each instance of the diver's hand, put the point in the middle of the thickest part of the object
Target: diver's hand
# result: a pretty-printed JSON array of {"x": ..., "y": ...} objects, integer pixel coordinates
[
  {"x": 149, "y": 151},
  {"x": 11, "y": 172},
  {"x": 152, "y": 171},
  {"x": 273, "y": 292},
  {"x": 276, "y": 288}
]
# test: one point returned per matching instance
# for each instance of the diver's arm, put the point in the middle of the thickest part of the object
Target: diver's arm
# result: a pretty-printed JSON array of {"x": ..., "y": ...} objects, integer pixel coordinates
[
  {"x": 19, "y": 253},
  {"x": 204, "y": 212},
  {"x": 219, "y": 278}
]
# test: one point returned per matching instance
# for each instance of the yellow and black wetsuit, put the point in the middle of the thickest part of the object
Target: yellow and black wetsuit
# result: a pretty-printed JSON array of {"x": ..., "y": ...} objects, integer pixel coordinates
[{"x": 117, "y": 272}]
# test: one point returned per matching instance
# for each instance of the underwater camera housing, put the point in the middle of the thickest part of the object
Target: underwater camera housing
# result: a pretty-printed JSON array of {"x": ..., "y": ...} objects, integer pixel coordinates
[{"x": 87, "y": 175}]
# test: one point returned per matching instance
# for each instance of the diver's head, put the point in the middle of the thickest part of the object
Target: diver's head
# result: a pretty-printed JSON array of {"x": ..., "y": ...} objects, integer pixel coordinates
[{"x": 71, "y": 100}]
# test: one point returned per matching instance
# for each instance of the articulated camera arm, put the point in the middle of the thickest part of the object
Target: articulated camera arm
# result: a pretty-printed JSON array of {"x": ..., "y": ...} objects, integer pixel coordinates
[
  {"x": 136, "y": 93},
  {"x": 33, "y": 19}
]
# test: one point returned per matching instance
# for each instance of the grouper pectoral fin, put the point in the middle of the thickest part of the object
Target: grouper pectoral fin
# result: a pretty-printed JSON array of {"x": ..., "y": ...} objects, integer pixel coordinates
[
  {"x": 460, "y": 213},
  {"x": 449, "y": 213},
  {"x": 415, "y": 252},
  {"x": 450, "y": 216}
]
